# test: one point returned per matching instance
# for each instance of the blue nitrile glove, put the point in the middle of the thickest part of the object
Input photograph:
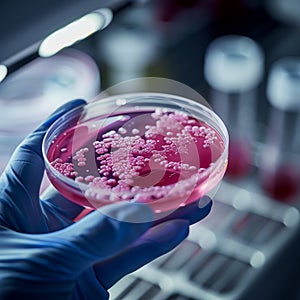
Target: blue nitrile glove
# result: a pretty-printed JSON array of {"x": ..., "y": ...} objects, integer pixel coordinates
[{"x": 45, "y": 255}]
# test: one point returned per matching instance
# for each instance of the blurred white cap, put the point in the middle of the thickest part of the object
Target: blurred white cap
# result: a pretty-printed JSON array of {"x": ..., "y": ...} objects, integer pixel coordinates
[
  {"x": 283, "y": 87},
  {"x": 233, "y": 63}
]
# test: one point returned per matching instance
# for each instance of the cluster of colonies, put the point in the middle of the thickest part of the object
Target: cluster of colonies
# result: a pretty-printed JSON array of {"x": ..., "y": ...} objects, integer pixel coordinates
[{"x": 143, "y": 162}]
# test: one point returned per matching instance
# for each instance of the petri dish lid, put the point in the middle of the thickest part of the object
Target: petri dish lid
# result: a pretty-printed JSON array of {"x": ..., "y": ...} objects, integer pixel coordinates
[
  {"x": 233, "y": 63},
  {"x": 283, "y": 86},
  {"x": 28, "y": 96}
]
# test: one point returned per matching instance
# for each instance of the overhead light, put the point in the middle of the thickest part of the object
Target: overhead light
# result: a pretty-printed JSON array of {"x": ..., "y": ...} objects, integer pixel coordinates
[
  {"x": 75, "y": 31},
  {"x": 3, "y": 72}
]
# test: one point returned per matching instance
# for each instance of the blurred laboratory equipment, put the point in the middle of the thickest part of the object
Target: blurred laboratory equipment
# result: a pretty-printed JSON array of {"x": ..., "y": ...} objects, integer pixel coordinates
[
  {"x": 280, "y": 156},
  {"x": 286, "y": 11},
  {"x": 234, "y": 67},
  {"x": 30, "y": 94},
  {"x": 128, "y": 48}
]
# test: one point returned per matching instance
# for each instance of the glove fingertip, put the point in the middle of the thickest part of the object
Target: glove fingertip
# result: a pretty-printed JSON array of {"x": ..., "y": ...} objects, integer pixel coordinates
[
  {"x": 205, "y": 202},
  {"x": 170, "y": 232},
  {"x": 129, "y": 212},
  {"x": 63, "y": 109}
]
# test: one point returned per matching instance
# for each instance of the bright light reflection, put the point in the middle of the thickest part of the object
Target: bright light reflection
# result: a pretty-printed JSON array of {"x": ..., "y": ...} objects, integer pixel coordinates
[
  {"x": 75, "y": 31},
  {"x": 208, "y": 240},
  {"x": 257, "y": 259},
  {"x": 291, "y": 217},
  {"x": 3, "y": 72},
  {"x": 241, "y": 200}
]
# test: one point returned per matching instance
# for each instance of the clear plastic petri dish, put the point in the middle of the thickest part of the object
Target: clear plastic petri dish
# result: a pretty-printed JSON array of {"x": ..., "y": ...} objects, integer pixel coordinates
[
  {"x": 160, "y": 149},
  {"x": 30, "y": 94}
]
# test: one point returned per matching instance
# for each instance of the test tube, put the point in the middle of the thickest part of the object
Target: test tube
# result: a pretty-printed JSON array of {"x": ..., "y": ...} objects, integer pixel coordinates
[
  {"x": 129, "y": 48},
  {"x": 233, "y": 68},
  {"x": 280, "y": 156}
]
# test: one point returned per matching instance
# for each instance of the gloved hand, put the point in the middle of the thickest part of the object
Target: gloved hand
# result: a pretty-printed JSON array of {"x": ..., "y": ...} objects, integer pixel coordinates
[{"x": 45, "y": 255}]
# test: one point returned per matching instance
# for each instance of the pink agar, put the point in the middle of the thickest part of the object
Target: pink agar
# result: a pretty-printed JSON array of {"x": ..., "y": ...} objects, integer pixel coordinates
[
  {"x": 157, "y": 157},
  {"x": 282, "y": 183},
  {"x": 239, "y": 158}
]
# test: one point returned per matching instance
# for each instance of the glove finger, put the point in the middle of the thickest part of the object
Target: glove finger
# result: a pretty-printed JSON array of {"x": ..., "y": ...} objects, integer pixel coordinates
[
  {"x": 102, "y": 234},
  {"x": 193, "y": 212},
  {"x": 145, "y": 250},
  {"x": 27, "y": 161},
  {"x": 53, "y": 201},
  {"x": 157, "y": 241},
  {"x": 88, "y": 287}
]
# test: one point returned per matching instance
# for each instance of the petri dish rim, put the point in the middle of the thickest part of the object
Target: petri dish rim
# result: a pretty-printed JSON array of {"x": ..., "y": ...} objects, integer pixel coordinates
[{"x": 129, "y": 101}]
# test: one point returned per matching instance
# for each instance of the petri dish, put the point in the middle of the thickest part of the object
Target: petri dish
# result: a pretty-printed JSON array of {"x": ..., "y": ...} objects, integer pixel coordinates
[
  {"x": 155, "y": 148},
  {"x": 30, "y": 94}
]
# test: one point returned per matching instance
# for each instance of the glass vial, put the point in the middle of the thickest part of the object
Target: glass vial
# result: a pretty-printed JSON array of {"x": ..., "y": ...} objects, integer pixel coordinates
[
  {"x": 280, "y": 156},
  {"x": 233, "y": 68}
]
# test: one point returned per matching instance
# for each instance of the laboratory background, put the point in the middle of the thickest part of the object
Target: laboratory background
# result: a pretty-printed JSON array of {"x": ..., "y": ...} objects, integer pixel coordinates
[{"x": 243, "y": 57}]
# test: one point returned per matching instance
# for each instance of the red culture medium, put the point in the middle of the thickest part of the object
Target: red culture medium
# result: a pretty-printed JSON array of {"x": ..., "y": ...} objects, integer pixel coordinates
[{"x": 159, "y": 157}]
